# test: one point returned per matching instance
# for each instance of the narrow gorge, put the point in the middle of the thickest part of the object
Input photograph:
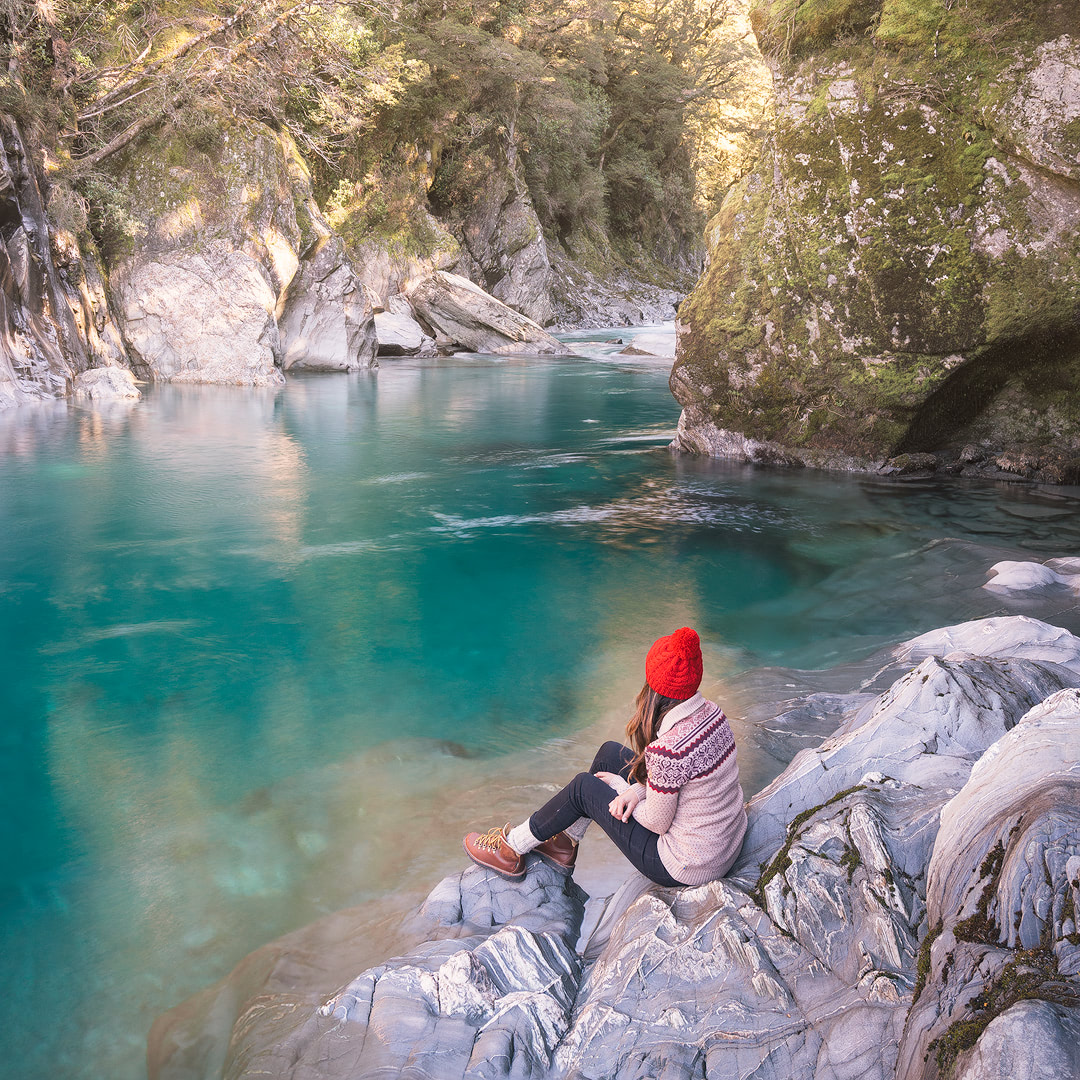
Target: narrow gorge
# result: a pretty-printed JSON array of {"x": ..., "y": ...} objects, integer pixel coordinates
[{"x": 375, "y": 378}]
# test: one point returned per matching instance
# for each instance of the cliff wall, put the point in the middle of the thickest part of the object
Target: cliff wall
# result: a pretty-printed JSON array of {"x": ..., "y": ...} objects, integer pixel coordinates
[{"x": 900, "y": 271}]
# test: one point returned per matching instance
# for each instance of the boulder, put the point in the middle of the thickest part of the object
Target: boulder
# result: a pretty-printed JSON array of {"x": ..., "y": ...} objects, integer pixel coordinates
[
  {"x": 107, "y": 384},
  {"x": 399, "y": 334},
  {"x": 327, "y": 320},
  {"x": 201, "y": 317},
  {"x": 899, "y": 272},
  {"x": 464, "y": 317}
]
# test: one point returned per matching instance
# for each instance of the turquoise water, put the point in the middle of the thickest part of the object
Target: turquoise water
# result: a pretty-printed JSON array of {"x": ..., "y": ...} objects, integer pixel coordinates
[{"x": 268, "y": 653}]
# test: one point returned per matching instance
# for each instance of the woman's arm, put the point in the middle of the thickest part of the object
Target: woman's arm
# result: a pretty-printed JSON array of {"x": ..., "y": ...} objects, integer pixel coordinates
[
  {"x": 622, "y": 806},
  {"x": 657, "y": 810}
]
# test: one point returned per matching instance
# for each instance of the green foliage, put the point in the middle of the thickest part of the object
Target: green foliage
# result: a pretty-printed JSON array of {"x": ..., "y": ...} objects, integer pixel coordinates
[
  {"x": 590, "y": 104},
  {"x": 387, "y": 209},
  {"x": 111, "y": 224},
  {"x": 590, "y": 99}
]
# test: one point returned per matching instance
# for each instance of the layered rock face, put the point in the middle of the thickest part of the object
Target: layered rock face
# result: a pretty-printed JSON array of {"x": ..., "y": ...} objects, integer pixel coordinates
[
  {"x": 55, "y": 321},
  {"x": 233, "y": 272},
  {"x": 503, "y": 246},
  {"x": 900, "y": 272},
  {"x": 904, "y": 906}
]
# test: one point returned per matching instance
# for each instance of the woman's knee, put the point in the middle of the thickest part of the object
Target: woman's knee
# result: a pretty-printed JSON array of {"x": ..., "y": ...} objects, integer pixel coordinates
[
  {"x": 609, "y": 757},
  {"x": 585, "y": 793}
]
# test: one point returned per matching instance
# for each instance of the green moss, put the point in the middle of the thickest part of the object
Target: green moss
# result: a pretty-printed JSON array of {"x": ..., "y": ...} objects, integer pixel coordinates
[
  {"x": 980, "y": 926},
  {"x": 796, "y": 27},
  {"x": 922, "y": 965},
  {"x": 1031, "y": 975},
  {"x": 910, "y": 23},
  {"x": 782, "y": 860},
  {"x": 851, "y": 861}
]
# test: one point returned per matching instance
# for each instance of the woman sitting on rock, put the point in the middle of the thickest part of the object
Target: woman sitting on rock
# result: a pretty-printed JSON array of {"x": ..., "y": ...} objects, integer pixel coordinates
[{"x": 677, "y": 812}]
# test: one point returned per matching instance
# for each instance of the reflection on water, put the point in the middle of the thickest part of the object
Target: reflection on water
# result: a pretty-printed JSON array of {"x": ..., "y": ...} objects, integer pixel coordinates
[{"x": 273, "y": 652}]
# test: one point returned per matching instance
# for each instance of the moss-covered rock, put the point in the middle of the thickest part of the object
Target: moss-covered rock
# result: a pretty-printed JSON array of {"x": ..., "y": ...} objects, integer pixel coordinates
[{"x": 900, "y": 272}]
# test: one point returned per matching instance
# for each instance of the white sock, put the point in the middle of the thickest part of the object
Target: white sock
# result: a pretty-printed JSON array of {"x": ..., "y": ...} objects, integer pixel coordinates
[
  {"x": 521, "y": 839},
  {"x": 577, "y": 831}
]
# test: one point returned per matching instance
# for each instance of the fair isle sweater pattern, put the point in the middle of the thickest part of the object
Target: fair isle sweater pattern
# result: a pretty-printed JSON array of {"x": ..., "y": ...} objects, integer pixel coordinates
[
  {"x": 680, "y": 755},
  {"x": 693, "y": 800}
]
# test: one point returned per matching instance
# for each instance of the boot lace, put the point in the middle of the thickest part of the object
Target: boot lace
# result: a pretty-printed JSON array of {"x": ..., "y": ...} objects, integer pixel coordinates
[{"x": 490, "y": 840}]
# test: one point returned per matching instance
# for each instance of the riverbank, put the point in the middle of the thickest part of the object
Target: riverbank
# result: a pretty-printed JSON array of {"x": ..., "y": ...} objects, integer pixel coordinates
[{"x": 904, "y": 906}]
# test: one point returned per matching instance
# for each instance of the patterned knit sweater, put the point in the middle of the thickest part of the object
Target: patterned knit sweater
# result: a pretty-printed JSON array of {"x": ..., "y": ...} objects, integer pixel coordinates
[{"x": 693, "y": 798}]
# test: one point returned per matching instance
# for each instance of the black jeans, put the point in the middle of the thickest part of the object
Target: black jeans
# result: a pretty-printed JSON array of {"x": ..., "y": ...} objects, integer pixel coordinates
[{"x": 588, "y": 796}]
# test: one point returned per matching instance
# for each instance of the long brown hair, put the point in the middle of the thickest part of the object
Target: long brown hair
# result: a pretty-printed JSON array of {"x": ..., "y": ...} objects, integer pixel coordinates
[{"x": 644, "y": 724}]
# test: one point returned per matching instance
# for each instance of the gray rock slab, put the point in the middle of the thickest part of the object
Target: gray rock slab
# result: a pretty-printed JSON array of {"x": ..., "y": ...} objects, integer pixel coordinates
[
  {"x": 399, "y": 334},
  {"x": 1016, "y": 636},
  {"x": 326, "y": 322},
  {"x": 465, "y": 317}
]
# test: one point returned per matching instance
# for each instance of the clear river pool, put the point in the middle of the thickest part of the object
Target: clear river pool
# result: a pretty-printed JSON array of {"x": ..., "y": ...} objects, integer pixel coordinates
[{"x": 269, "y": 654}]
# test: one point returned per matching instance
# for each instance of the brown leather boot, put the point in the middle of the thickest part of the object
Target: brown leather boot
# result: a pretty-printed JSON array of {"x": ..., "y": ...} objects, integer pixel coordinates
[
  {"x": 560, "y": 851},
  {"x": 490, "y": 849}
]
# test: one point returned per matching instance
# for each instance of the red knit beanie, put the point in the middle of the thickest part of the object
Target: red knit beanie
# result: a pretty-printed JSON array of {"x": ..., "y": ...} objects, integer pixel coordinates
[{"x": 673, "y": 664}]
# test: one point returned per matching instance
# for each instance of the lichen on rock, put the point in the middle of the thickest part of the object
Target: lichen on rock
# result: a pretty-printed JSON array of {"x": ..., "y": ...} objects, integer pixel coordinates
[{"x": 900, "y": 271}]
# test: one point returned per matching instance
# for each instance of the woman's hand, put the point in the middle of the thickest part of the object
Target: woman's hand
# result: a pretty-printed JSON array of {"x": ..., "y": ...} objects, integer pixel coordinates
[
  {"x": 622, "y": 806},
  {"x": 610, "y": 779}
]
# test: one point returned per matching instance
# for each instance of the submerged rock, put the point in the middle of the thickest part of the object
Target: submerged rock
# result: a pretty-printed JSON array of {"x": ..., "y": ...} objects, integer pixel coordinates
[
  {"x": 650, "y": 345},
  {"x": 464, "y": 317},
  {"x": 924, "y": 857}
]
